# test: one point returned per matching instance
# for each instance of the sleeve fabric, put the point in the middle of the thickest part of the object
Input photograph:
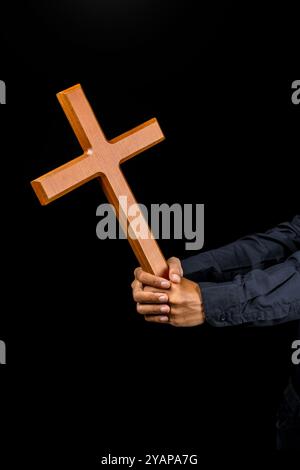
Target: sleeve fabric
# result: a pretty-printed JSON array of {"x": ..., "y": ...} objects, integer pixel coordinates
[
  {"x": 260, "y": 297},
  {"x": 257, "y": 251},
  {"x": 255, "y": 280}
]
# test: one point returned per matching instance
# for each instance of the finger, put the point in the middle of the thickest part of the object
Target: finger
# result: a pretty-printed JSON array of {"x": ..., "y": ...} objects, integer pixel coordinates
[
  {"x": 157, "y": 318},
  {"x": 175, "y": 270},
  {"x": 146, "y": 309},
  {"x": 137, "y": 286},
  {"x": 134, "y": 283},
  {"x": 144, "y": 297},
  {"x": 155, "y": 290},
  {"x": 151, "y": 280}
]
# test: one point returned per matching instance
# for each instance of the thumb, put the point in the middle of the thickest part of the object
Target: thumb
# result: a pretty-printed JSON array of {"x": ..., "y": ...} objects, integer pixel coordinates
[{"x": 175, "y": 270}]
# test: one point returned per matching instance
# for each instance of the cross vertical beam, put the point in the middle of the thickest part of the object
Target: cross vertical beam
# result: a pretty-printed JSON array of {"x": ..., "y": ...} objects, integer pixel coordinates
[{"x": 101, "y": 159}]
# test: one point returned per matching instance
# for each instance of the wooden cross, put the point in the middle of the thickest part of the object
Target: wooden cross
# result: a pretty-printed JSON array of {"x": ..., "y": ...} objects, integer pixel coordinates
[{"x": 101, "y": 159}]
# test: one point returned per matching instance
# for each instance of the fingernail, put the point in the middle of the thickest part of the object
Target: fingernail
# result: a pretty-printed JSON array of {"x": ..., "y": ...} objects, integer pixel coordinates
[
  {"x": 164, "y": 319},
  {"x": 164, "y": 309},
  {"x": 163, "y": 298},
  {"x": 165, "y": 284},
  {"x": 175, "y": 278}
]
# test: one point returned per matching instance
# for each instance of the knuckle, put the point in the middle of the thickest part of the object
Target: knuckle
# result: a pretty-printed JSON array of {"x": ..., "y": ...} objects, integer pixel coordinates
[
  {"x": 174, "y": 260},
  {"x": 137, "y": 272},
  {"x": 142, "y": 277}
]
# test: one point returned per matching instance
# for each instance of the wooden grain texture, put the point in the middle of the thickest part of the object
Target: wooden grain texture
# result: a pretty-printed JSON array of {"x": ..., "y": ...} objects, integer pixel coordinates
[{"x": 101, "y": 159}]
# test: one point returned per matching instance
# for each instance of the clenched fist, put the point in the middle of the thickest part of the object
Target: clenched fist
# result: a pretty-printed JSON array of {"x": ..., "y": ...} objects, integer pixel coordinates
[{"x": 177, "y": 301}]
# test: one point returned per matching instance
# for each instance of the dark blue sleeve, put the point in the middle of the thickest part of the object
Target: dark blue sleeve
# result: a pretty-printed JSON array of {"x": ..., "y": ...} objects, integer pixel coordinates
[
  {"x": 258, "y": 251},
  {"x": 255, "y": 280},
  {"x": 260, "y": 297}
]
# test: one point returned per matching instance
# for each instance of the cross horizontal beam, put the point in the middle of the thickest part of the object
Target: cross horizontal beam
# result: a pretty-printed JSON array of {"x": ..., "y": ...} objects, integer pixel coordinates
[{"x": 101, "y": 159}]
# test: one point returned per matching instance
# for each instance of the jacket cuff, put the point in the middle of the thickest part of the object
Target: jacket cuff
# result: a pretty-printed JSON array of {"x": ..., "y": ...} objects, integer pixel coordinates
[{"x": 221, "y": 304}]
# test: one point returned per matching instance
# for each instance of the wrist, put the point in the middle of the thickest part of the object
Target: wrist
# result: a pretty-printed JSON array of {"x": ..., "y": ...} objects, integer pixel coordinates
[{"x": 201, "y": 303}]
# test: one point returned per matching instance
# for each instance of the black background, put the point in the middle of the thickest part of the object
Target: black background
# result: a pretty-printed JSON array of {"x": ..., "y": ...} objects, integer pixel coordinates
[{"x": 85, "y": 375}]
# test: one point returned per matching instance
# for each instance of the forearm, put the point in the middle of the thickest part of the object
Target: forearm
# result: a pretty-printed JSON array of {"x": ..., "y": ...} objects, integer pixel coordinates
[
  {"x": 261, "y": 297},
  {"x": 258, "y": 251}
]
